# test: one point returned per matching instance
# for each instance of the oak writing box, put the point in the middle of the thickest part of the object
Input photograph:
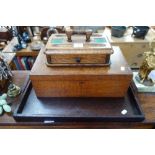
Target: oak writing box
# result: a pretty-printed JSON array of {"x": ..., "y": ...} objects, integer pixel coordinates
[
  {"x": 103, "y": 81},
  {"x": 60, "y": 52}
]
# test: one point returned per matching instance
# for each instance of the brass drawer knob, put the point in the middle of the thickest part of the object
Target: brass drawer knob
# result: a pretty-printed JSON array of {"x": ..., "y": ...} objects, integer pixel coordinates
[
  {"x": 78, "y": 60},
  {"x": 139, "y": 55}
]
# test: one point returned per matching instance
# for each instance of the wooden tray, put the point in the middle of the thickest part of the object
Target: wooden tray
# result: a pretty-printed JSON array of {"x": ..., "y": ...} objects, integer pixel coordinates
[{"x": 55, "y": 109}]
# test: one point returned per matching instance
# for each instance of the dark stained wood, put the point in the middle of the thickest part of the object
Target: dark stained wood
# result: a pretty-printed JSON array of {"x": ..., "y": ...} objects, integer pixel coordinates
[
  {"x": 20, "y": 78},
  {"x": 89, "y": 109},
  {"x": 147, "y": 102},
  {"x": 25, "y": 52},
  {"x": 5, "y": 35},
  {"x": 112, "y": 81},
  {"x": 78, "y": 125}
]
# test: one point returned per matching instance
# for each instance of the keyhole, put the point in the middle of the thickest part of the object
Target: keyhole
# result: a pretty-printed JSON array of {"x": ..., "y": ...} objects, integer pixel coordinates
[{"x": 78, "y": 60}]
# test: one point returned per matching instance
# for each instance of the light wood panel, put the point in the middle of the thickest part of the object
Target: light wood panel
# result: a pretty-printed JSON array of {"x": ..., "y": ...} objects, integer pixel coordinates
[{"x": 112, "y": 81}]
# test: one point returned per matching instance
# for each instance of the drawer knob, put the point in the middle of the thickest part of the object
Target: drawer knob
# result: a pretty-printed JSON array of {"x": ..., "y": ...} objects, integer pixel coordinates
[
  {"x": 78, "y": 60},
  {"x": 139, "y": 55}
]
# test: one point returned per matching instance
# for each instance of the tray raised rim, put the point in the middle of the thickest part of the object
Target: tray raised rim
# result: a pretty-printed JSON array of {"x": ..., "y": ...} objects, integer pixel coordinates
[{"x": 35, "y": 118}]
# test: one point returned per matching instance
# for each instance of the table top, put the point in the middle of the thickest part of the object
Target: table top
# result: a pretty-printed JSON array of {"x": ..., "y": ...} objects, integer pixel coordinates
[
  {"x": 127, "y": 38},
  {"x": 23, "y": 52},
  {"x": 147, "y": 101}
]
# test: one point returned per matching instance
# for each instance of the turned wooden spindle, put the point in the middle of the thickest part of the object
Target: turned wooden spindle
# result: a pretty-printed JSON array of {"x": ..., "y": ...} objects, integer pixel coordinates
[
  {"x": 69, "y": 33},
  {"x": 88, "y": 34}
]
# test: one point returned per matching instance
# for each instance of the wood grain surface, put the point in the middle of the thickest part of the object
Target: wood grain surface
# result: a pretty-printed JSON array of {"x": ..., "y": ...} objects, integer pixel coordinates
[
  {"x": 77, "y": 39},
  {"x": 112, "y": 81},
  {"x": 147, "y": 102},
  {"x": 71, "y": 53},
  {"x": 77, "y": 59}
]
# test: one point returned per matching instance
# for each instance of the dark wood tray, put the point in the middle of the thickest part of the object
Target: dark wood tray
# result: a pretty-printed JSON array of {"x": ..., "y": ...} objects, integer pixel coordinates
[{"x": 48, "y": 110}]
